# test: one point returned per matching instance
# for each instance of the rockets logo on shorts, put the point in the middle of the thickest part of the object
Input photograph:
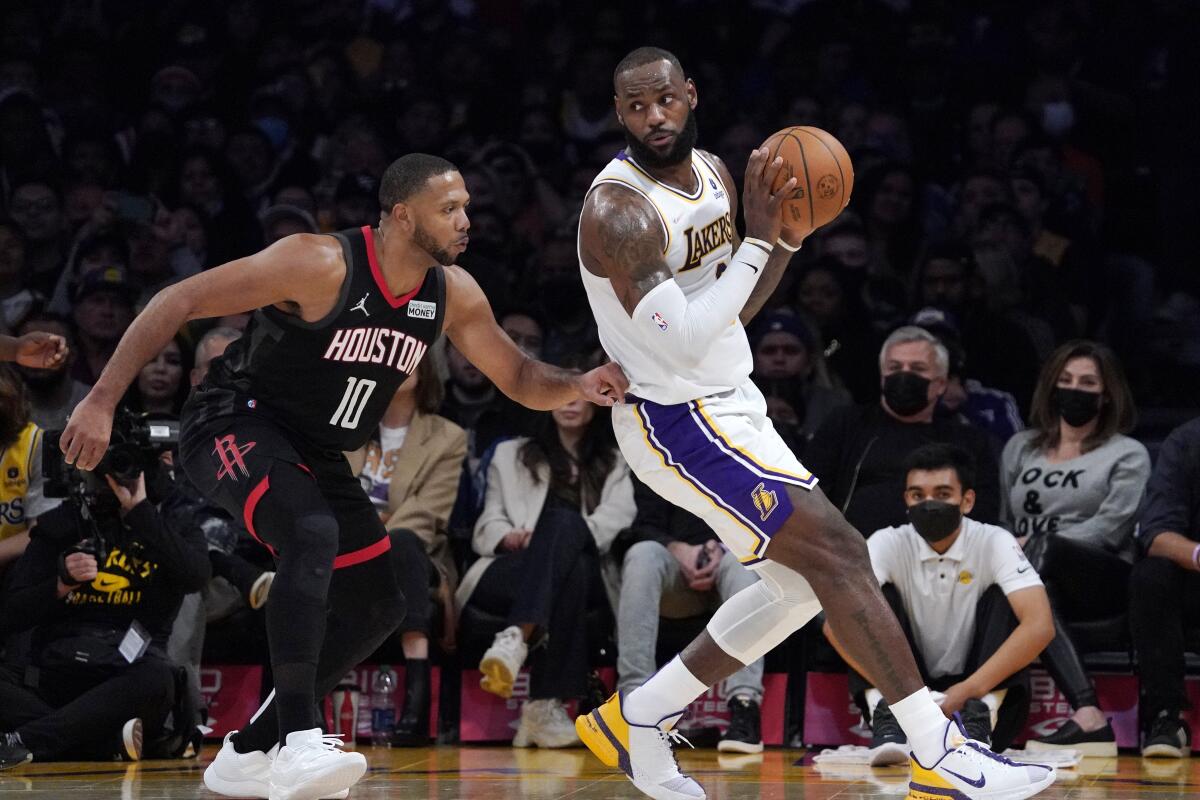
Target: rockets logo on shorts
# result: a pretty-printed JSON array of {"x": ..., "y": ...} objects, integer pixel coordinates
[{"x": 659, "y": 321}]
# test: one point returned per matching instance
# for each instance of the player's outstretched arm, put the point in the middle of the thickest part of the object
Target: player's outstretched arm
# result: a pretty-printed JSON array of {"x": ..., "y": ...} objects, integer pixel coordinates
[
  {"x": 471, "y": 327},
  {"x": 35, "y": 349},
  {"x": 622, "y": 239},
  {"x": 303, "y": 271}
]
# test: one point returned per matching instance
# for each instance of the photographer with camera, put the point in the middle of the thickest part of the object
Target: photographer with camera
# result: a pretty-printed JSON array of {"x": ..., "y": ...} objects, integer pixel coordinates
[{"x": 99, "y": 585}]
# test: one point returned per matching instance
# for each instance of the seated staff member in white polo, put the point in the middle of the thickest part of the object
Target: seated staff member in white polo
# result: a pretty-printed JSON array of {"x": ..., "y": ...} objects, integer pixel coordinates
[{"x": 948, "y": 578}]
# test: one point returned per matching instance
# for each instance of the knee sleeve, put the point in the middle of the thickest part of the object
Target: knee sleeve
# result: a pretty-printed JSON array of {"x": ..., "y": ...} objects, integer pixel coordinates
[{"x": 755, "y": 620}]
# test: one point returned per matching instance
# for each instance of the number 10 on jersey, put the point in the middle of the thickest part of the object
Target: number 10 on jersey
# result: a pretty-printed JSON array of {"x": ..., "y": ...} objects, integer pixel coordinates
[{"x": 349, "y": 410}]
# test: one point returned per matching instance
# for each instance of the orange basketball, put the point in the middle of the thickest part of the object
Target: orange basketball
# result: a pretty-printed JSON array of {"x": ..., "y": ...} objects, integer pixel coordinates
[{"x": 824, "y": 175}]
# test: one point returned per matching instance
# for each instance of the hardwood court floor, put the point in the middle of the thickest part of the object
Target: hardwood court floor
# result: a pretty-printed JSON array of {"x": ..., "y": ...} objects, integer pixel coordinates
[{"x": 502, "y": 773}]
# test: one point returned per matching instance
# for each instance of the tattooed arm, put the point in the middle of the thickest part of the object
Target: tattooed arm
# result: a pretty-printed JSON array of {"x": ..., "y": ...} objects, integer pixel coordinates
[{"x": 622, "y": 238}]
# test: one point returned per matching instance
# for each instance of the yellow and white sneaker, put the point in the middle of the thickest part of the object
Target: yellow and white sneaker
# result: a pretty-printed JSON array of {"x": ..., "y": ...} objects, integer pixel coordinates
[
  {"x": 968, "y": 770},
  {"x": 502, "y": 661},
  {"x": 642, "y": 752}
]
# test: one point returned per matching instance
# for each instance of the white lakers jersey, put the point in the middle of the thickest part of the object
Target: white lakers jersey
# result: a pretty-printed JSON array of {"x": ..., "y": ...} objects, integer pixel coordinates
[{"x": 699, "y": 236}]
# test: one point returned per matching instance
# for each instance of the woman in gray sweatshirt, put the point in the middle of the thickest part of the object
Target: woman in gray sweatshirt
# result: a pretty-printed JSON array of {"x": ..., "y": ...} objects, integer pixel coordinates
[{"x": 1071, "y": 488}]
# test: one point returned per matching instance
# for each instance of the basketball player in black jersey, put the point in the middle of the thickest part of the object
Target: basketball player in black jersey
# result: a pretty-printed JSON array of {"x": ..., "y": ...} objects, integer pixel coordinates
[{"x": 341, "y": 322}]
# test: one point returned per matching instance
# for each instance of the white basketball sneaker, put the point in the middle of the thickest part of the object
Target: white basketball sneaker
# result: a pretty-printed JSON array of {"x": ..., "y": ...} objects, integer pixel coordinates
[
  {"x": 642, "y": 752},
  {"x": 968, "y": 769},
  {"x": 235, "y": 774},
  {"x": 502, "y": 662},
  {"x": 652, "y": 765},
  {"x": 311, "y": 766}
]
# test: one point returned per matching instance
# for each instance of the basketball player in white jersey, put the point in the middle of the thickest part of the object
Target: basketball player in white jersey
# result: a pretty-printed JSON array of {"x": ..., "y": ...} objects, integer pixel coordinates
[{"x": 671, "y": 286}]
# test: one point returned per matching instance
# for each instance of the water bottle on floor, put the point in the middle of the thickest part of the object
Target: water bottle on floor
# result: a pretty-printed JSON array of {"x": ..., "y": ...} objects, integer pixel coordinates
[{"x": 383, "y": 706}]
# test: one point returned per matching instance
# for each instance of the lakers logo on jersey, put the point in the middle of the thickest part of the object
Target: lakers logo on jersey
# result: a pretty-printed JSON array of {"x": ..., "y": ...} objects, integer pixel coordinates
[
  {"x": 704, "y": 241},
  {"x": 765, "y": 500}
]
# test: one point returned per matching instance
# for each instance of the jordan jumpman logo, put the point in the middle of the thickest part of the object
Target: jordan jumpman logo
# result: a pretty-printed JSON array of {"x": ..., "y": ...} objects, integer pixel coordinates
[{"x": 362, "y": 305}]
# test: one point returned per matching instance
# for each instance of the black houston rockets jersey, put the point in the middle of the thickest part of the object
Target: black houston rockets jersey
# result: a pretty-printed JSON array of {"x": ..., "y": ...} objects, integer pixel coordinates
[{"x": 331, "y": 380}]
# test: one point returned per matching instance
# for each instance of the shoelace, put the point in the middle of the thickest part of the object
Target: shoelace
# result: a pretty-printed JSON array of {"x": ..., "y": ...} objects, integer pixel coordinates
[
  {"x": 330, "y": 741},
  {"x": 674, "y": 736},
  {"x": 663, "y": 741}
]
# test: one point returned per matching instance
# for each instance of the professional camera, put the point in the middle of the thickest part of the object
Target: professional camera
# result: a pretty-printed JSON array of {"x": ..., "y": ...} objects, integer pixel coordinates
[{"x": 134, "y": 447}]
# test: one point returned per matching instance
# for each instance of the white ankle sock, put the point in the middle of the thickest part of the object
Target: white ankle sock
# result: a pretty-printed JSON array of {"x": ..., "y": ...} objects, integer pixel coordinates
[
  {"x": 924, "y": 724},
  {"x": 668, "y": 692},
  {"x": 993, "y": 700}
]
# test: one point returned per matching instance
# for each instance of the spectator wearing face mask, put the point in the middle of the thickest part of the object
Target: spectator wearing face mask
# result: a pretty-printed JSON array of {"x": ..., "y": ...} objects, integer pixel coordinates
[
  {"x": 859, "y": 452},
  {"x": 790, "y": 371},
  {"x": 974, "y": 611},
  {"x": 1072, "y": 484}
]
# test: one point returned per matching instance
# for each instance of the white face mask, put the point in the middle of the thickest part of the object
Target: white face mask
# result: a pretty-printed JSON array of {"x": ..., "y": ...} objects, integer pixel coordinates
[{"x": 1058, "y": 117}]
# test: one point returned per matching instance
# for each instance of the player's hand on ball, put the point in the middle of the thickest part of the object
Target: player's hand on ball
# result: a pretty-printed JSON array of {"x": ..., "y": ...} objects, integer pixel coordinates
[
  {"x": 41, "y": 350},
  {"x": 85, "y": 438},
  {"x": 604, "y": 386},
  {"x": 764, "y": 219}
]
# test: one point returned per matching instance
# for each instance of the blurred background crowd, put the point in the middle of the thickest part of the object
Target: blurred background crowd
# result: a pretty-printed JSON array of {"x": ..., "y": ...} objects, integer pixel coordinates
[{"x": 1022, "y": 170}]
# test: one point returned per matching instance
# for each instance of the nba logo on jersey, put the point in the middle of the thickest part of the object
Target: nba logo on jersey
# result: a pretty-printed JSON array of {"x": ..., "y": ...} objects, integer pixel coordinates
[
  {"x": 659, "y": 321},
  {"x": 765, "y": 500},
  {"x": 422, "y": 310}
]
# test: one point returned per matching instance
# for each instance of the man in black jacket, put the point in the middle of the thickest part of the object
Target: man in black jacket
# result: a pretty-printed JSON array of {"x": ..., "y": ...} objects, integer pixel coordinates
[
  {"x": 1165, "y": 590},
  {"x": 101, "y": 615},
  {"x": 676, "y": 567},
  {"x": 859, "y": 452}
]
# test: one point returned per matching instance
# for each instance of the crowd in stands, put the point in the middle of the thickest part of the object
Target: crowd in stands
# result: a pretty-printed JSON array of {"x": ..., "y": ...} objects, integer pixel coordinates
[{"x": 989, "y": 360}]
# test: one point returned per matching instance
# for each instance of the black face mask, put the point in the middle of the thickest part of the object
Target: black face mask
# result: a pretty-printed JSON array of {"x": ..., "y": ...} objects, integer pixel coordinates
[
  {"x": 934, "y": 519},
  {"x": 906, "y": 393},
  {"x": 1076, "y": 407}
]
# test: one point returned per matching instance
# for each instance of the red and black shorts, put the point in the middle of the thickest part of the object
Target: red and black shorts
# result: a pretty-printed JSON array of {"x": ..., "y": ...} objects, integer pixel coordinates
[{"x": 231, "y": 458}]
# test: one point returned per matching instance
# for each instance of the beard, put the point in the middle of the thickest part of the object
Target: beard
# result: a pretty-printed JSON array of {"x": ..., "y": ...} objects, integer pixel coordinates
[
  {"x": 427, "y": 243},
  {"x": 681, "y": 149}
]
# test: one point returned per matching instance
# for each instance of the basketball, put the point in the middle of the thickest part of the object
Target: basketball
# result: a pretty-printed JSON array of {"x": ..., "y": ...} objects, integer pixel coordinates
[{"x": 823, "y": 172}]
